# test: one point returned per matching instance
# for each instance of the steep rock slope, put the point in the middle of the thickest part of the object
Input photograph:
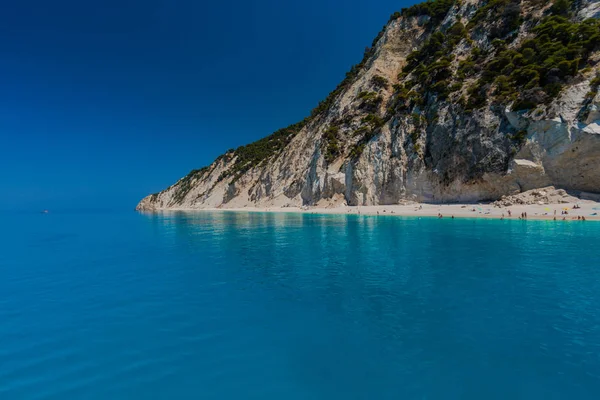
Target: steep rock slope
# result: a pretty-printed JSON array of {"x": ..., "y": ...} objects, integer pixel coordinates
[{"x": 455, "y": 101}]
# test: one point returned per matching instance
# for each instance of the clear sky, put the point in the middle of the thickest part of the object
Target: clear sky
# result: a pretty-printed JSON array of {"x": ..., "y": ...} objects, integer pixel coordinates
[{"x": 104, "y": 102}]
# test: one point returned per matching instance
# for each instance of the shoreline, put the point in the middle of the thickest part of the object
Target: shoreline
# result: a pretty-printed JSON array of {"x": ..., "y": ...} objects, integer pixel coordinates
[{"x": 447, "y": 211}]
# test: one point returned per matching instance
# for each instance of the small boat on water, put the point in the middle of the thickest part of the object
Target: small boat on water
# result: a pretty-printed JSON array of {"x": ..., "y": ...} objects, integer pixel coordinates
[{"x": 45, "y": 212}]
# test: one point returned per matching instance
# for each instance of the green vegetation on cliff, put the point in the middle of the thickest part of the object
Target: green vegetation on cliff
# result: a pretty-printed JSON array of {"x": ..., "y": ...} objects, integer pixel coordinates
[
  {"x": 535, "y": 72},
  {"x": 471, "y": 62},
  {"x": 349, "y": 79},
  {"x": 530, "y": 74},
  {"x": 431, "y": 65},
  {"x": 251, "y": 155},
  {"x": 333, "y": 146},
  {"x": 436, "y": 10}
]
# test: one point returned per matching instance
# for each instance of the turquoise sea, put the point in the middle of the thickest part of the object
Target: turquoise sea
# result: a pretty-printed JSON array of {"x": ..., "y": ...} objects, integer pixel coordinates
[{"x": 286, "y": 306}]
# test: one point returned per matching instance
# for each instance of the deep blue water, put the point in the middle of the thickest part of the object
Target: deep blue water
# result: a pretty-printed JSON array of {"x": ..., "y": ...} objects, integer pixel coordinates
[{"x": 284, "y": 306}]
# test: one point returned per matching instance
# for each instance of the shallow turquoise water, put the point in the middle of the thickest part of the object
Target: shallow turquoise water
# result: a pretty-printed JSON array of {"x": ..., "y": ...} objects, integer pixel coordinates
[{"x": 285, "y": 306}]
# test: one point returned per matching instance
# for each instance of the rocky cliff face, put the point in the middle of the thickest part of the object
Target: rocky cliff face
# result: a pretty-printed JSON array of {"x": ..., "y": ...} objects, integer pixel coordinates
[{"x": 456, "y": 101}]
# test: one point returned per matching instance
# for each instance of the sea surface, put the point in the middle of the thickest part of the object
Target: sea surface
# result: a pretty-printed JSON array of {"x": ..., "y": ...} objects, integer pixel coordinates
[{"x": 230, "y": 305}]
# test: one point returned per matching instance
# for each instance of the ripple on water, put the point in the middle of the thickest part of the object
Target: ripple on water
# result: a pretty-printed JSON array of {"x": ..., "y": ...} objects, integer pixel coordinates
[{"x": 251, "y": 305}]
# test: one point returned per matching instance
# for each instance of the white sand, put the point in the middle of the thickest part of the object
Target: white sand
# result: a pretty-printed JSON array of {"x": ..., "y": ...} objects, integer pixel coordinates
[{"x": 534, "y": 211}]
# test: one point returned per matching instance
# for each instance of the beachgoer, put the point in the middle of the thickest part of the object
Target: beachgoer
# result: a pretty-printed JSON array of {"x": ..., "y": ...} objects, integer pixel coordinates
[{"x": 509, "y": 213}]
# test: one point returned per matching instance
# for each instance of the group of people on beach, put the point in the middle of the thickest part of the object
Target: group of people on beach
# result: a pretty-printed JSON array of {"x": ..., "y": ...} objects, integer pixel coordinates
[
  {"x": 522, "y": 216},
  {"x": 441, "y": 216},
  {"x": 579, "y": 218},
  {"x": 564, "y": 212}
]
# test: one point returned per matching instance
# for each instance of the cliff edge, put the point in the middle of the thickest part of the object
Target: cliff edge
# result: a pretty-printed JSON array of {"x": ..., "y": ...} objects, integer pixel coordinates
[{"x": 455, "y": 101}]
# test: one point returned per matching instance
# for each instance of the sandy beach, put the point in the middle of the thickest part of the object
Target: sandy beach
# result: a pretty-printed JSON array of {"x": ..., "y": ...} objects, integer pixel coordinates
[
  {"x": 546, "y": 203},
  {"x": 589, "y": 209}
]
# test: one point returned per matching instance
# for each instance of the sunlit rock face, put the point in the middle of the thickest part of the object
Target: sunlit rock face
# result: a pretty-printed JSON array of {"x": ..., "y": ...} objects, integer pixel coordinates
[{"x": 360, "y": 148}]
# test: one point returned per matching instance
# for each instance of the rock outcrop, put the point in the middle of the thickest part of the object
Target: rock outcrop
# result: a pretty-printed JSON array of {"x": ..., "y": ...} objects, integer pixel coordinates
[
  {"x": 543, "y": 196},
  {"x": 411, "y": 123}
]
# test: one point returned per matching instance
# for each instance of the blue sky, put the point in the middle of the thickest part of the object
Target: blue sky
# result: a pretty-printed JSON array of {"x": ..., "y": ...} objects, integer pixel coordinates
[{"x": 105, "y": 102}]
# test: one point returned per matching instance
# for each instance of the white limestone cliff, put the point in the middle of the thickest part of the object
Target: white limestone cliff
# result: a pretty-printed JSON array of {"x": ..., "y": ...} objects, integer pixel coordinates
[{"x": 453, "y": 156}]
